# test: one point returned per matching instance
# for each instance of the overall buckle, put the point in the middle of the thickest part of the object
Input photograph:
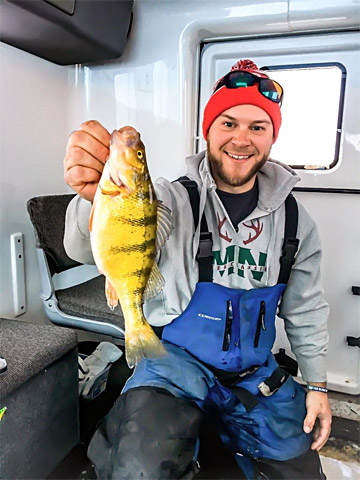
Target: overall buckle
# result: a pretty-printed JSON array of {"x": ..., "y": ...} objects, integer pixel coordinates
[
  {"x": 290, "y": 249},
  {"x": 272, "y": 384},
  {"x": 265, "y": 389},
  {"x": 205, "y": 245}
]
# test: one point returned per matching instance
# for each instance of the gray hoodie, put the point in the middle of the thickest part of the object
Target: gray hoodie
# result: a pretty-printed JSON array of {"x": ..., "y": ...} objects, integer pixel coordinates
[{"x": 246, "y": 256}]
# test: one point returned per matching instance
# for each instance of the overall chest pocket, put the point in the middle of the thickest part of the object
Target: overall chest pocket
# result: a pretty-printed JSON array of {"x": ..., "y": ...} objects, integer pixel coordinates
[{"x": 257, "y": 311}]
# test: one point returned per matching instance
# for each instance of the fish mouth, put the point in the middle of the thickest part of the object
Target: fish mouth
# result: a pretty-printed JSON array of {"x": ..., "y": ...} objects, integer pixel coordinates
[
  {"x": 117, "y": 182},
  {"x": 125, "y": 137},
  {"x": 123, "y": 187}
]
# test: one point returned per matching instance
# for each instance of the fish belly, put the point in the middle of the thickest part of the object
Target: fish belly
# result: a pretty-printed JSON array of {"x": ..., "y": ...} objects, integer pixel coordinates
[{"x": 123, "y": 242}]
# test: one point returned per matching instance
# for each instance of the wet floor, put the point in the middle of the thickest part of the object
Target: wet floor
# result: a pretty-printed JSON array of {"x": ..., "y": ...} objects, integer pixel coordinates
[{"x": 341, "y": 459}]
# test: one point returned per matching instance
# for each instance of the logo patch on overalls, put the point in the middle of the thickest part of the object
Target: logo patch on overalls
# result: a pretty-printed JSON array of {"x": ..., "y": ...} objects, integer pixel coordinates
[{"x": 209, "y": 318}]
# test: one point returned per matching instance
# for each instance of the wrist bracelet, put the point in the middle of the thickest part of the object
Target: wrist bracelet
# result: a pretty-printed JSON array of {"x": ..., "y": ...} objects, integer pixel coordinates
[{"x": 317, "y": 389}]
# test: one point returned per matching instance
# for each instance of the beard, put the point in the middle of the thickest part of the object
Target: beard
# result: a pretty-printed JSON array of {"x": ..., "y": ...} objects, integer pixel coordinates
[{"x": 234, "y": 180}]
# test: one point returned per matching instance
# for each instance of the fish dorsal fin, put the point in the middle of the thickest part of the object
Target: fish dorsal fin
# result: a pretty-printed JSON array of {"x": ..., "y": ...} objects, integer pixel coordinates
[
  {"x": 154, "y": 285},
  {"x": 165, "y": 225}
]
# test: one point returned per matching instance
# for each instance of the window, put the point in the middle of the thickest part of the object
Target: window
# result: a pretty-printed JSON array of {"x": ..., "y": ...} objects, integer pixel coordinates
[{"x": 311, "y": 114}]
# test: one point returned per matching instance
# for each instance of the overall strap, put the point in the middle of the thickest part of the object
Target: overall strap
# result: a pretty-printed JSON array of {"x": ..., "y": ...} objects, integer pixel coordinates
[
  {"x": 291, "y": 243},
  {"x": 204, "y": 254}
]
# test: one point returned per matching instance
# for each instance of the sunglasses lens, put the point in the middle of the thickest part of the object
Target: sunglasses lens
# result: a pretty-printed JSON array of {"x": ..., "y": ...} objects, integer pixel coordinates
[
  {"x": 239, "y": 79},
  {"x": 271, "y": 90}
]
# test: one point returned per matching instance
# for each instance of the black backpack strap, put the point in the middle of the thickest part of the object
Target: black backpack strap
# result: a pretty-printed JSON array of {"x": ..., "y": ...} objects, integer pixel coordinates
[
  {"x": 291, "y": 243},
  {"x": 204, "y": 255}
]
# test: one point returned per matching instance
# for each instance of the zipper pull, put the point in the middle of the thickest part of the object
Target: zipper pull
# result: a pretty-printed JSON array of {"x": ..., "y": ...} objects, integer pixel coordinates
[
  {"x": 228, "y": 324},
  {"x": 262, "y": 314},
  {"x": 260, "y": 325}
]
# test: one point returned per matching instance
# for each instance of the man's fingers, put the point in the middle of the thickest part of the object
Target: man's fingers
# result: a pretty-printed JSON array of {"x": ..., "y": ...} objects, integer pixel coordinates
[
  {"x": 321, "y": 435},
  {"x": 96, "y": 130},
  {"x": 77, "y": 176},
  {"x": 317, "y": 405},
  {"x": 88, "y": 191},
  {"x": 87, "y": 143},
  {"x": 87, "y": 151},
  {"x": 309, "y": 421},
  {"x": 83, "y": 181},
  {"x": 78, "y": 156}
]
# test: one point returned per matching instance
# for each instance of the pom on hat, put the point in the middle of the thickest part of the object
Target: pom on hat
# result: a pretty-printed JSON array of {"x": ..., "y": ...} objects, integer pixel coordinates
[
  {"x": 225, "y": 98},
  {"x": 244, "y": 65}
]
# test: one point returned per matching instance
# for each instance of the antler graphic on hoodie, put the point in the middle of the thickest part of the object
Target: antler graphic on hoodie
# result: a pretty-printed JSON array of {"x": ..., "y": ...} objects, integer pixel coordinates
[
  {"x": 220, "y": 225},
  {"x": 258, "y": 228}
]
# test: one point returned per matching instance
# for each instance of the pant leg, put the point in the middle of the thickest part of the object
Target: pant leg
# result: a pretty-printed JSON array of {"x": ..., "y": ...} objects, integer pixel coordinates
[
  {"x": 148, "y": 434},
  {"x": 271, "y": 429},
  {"x": 304, "y": 467}
]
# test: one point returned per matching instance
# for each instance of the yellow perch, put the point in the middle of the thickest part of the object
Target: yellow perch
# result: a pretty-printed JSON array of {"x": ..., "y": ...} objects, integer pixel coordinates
[{"x": 128, "y": 226}]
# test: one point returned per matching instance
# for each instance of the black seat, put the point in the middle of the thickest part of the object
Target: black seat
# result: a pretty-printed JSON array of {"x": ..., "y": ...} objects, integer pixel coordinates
[{"x": 82, "y": 306}]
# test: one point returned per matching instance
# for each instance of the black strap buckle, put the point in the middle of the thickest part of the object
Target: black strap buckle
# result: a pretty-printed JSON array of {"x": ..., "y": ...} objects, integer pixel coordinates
[
  {"x": 205, "y": 245},
  {"x": 272, "y": 384},
  {"x": 353, "y": 341},
  {"x": 289, "y": 250}
]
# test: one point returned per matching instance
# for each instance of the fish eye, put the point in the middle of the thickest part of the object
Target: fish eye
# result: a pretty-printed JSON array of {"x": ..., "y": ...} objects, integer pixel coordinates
[{"x": 140, "y": 154}]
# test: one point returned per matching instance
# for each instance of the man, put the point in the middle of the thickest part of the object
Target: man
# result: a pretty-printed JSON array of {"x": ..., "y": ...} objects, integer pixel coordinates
[{"x": 218, "y": 313}]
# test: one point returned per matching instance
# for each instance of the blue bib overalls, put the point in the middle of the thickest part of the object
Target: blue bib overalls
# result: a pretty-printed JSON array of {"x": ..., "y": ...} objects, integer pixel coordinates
[{"x": 219, "y": 356}]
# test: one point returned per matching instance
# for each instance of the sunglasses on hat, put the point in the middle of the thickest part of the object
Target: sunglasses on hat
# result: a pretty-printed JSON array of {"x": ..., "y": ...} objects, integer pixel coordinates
[{"x": 238, "y": 79}]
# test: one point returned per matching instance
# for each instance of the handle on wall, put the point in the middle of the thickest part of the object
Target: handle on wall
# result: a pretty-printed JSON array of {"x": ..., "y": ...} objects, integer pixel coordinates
[{"x": 355, "y": 290}]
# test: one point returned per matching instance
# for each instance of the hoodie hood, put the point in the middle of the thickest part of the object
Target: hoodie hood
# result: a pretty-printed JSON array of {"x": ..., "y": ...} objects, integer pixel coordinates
[{"x": 275, "y": 179}]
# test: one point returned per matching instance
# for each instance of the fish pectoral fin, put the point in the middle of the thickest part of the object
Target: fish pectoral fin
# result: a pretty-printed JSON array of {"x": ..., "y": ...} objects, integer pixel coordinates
[
  {"x": 154, "y": 285},
  {"x": 165, "y": 225},
  {"x": 111, "y": 295}
]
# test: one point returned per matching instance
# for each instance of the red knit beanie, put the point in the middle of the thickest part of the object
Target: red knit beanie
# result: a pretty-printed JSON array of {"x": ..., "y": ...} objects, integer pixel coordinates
[{"x": 225, "y": 98}]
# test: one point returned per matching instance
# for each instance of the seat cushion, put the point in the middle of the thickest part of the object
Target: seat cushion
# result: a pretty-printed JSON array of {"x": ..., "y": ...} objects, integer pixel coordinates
[
  {"x": 88, "y": 300},
  {"x": 29, "y": 348}
]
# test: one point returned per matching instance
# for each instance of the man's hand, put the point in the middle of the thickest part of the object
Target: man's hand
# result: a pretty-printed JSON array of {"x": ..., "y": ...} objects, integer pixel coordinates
[
  {"x": 86, "y": 153},
  {"x": 317, "y": 405}
]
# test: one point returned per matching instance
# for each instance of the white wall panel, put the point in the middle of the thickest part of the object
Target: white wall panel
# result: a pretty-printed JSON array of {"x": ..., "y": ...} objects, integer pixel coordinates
[{"x": 34, "y": 98}]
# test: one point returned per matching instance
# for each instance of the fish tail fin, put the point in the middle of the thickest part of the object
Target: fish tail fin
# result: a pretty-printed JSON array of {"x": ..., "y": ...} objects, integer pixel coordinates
[
  {"x": 141, "y": 342},
  {"x": 111, "y": 295}
]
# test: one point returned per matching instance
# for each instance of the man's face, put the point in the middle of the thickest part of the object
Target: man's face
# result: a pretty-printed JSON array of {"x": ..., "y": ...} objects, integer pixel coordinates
[{"x": 239, "y": 143}]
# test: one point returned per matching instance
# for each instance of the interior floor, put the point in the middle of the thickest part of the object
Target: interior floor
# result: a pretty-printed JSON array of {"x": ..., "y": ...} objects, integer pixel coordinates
[{"x": 215, "y": 461}]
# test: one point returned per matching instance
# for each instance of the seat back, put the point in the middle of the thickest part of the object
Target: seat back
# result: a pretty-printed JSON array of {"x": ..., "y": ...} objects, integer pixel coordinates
[
  {"x": 47, "y": 214},
  {"x": 82, "y": 305}
]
